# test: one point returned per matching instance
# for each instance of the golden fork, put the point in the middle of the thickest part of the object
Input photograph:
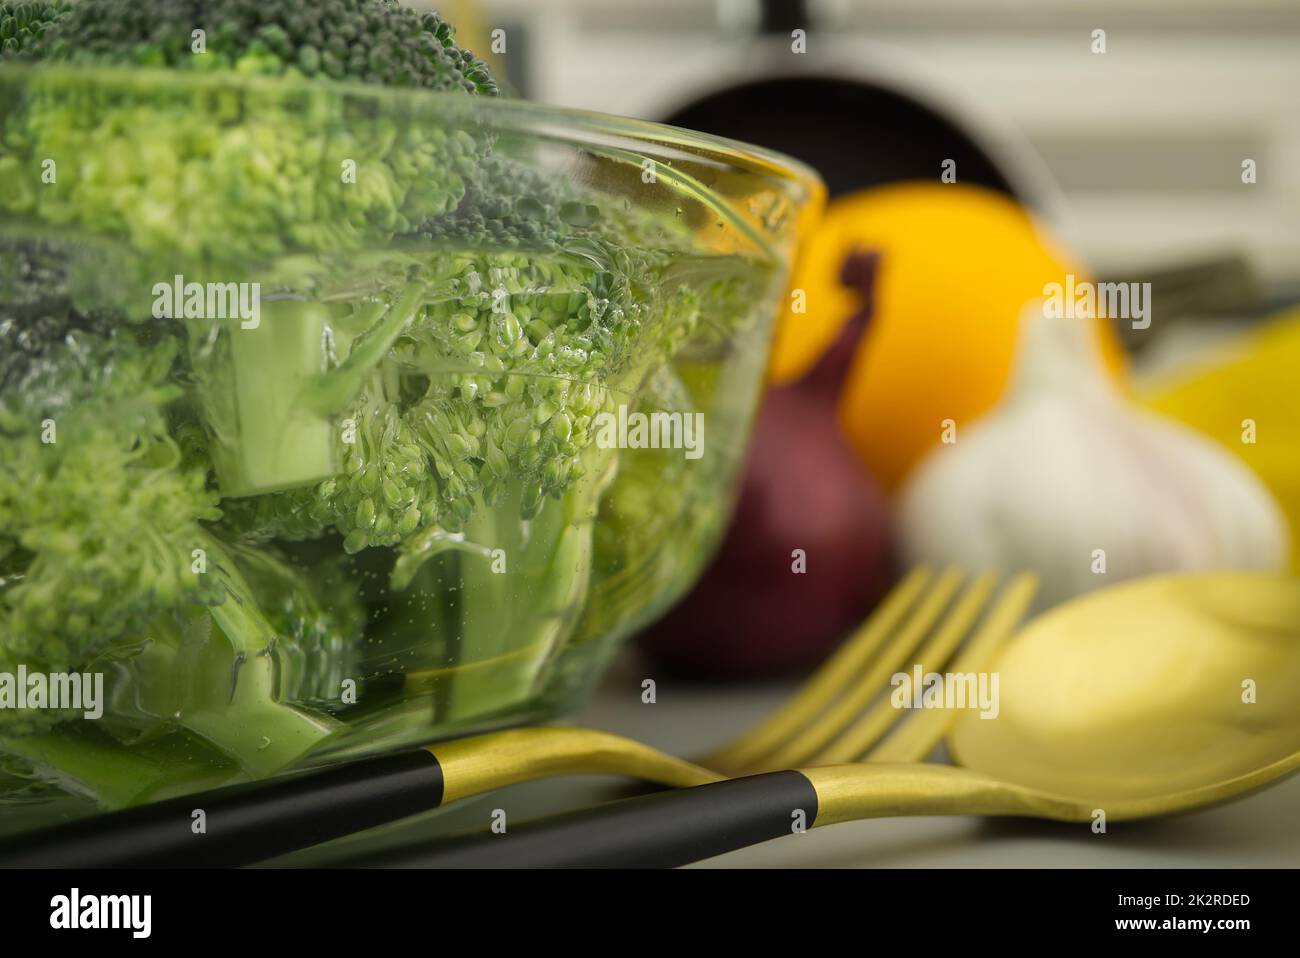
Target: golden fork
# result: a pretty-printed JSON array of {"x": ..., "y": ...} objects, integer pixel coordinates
[{"x": 832, "y": 718}]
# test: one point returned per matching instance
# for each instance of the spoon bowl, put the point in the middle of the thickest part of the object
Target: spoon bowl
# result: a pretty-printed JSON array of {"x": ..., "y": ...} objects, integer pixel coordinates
[{"x": 1154, "y": 696}]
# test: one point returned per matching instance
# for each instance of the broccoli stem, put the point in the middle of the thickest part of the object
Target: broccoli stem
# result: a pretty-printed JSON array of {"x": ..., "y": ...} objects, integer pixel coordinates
[
  {"x": 506, "y": 623},
  {"x": 334, "y": 391},
  {"x": 91, "y": 762},
  {"x": 282, "y": 430},
  {"x": 236, "y": 706},
  {"x": 109, "y": 773},
  {"x": 214, "y": 676},
  {"x": 499, "y": 648},
  {"x": 275, "y": 441},
  {"x": 513, "y": 622}
]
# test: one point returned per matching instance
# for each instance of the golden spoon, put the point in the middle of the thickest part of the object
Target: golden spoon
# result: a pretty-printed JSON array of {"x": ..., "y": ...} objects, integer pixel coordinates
[{"x": 1154, "y": 697}]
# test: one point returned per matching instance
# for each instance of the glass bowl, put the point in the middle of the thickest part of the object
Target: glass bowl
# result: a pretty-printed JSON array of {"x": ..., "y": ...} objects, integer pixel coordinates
[{"x": 335, "y": 419}]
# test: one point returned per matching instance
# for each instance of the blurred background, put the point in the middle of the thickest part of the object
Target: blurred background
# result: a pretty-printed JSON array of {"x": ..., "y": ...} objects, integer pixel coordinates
[{"x": 1143, "y": 143}]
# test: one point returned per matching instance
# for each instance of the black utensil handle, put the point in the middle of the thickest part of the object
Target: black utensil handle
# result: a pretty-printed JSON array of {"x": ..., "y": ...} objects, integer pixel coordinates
[
  {"x": 662, "y": 830},
  {"x": 243, "y": 823}
]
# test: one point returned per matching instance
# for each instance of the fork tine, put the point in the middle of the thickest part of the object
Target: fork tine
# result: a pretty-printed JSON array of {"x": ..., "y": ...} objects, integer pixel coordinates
[
  {"x": 800, "y": 746},
  {"x": 839, "y": 671},
  {"x": 858, "y": 737},
  {"x": 917, "y": 738}
]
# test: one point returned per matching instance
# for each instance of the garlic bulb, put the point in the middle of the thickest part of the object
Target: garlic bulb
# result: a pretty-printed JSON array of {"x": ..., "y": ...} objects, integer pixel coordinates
[{"x": 1066, "y": 478}]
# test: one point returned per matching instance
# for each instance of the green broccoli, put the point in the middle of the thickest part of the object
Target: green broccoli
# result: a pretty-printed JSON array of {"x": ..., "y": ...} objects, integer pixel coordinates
[
  {"x": 289, "y": 188},
  {"x": 105, "y": 551},
  {"x": 392, "y": 474},
  {"x": 22, "y": 25},
  {"x": 372, "y": 41}
]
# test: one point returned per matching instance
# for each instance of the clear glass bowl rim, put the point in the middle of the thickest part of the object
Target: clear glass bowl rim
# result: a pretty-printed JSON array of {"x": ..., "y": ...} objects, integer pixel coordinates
[{"x": 553, "y": 122}]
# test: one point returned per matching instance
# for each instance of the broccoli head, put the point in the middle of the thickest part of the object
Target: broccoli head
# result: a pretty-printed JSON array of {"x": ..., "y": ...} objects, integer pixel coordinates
[
  {"x": 228, "y": 182},
  {"x": 105, "y": 556},
  {"x": 23, "y": 25},
  {"x": 280, "y": 155},
  {"x": 367, "y": 41}
]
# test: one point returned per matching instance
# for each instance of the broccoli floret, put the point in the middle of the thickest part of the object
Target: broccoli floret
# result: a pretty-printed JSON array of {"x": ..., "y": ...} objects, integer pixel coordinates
[
  {"x": 23, "y": 25},
  {"x": 494, "y": 384},
  {"x": 94, "y": 511},
  {"x": 409, "y": 175},
  {"x": 105, "y": 551},
  {"x": 221, "y": 192},
  {"x": 370, "y": 41}
]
